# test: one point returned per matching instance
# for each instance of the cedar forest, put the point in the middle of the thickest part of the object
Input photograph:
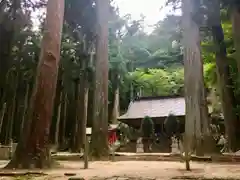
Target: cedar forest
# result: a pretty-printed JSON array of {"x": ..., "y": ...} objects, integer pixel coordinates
[{"x": 86, "y": 63}]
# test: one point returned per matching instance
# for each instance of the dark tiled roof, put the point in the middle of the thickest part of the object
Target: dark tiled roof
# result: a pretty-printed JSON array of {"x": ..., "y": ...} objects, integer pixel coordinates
[{"x": 155, "y": 107}]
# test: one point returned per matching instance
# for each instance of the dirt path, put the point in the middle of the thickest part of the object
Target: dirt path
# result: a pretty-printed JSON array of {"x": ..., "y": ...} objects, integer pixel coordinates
[{"x": 143, "y": 170}]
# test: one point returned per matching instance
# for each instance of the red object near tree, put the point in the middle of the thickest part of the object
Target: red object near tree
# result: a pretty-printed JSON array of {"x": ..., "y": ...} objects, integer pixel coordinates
[{"x": 112, "y": 137}]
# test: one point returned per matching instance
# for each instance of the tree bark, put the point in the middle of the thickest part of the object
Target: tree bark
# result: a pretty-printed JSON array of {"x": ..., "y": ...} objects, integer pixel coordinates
[
  {"x": 75, "y": 140},
  {"x": 3, "y": 110},
  {"x": 12, "y": 116},
  {"x": 7, "y": 31},
  {"x": 78, "y": 144},
  {"x": 85, "y": 114},
  {"x": 56, "y": 138},
  {"x": 6, "y": 38},
  {"x": 224, "y": 79},
  {"x": 16, "y": 81},
  {"x": 99, "y": 145},
  {"x": 7, "y": 120},
  {"x": 195, "y": 97},
  {"x": 80, "y": 113},
  {"x": 115, "y": 111},
  {"x": 91, "y": 90},
  {"x": 226, "y": 91},
  {"x": 64, "y": 118},
  {"x": 83, "y": 104},
  {"x": 25, "y": 106},
  {"x": 33, "y": 149}
]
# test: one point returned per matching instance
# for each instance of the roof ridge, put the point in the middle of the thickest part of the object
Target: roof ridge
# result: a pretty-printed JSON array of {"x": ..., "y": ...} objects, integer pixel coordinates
[
  {"x": 158, "y": 97},
  {"x": 155, "y": 107}
]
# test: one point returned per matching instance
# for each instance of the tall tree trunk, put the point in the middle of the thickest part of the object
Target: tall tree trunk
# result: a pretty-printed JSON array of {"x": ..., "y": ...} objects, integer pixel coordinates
[
  {"x": 79, "y": 116},
  {"x": 189, "y": 117},
  {"x": 7, "y": 30},
  {"x": 11, "y": 109},
  {"x": 84, "y": 106},
  {"x": 64, "y": 118},
  {"x": 12, "y": 116},
  {"x": 6, "y": 38},
  {"x": 33, "y": 149},
  {"x": 227, "y": 96},
  {"x": 99, "y": 145},
  {"x": 83, "y": 99},
  {"x": 224, "y": 79},
  {"x": 3, "y": 110},
  {"x": 74, "y": 139},
  {"x": 25, "y": 107},
  {"x": 16, "y": 81},
  {"x": 195, "y": 97},
  {"x": 91, "y": 95},
  {"x": 116, "y": 108},
  {"x": 56, "y": 138},
  {"x": 7, "y": 120}
]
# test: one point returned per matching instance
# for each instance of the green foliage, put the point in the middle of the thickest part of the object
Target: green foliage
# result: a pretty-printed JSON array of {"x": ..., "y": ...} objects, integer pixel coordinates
[
  {"x": 171, "y": 125},
  {"x": 147, "y": 62},
  {"x": 210, "y": 75},
  {"x": 156, "y": 82},
  {"x": 147, "y": 127}
]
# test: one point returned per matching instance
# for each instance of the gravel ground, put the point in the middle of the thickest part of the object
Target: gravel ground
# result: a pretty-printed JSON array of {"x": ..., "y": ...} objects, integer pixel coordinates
[{"x": 142, "y": 170}]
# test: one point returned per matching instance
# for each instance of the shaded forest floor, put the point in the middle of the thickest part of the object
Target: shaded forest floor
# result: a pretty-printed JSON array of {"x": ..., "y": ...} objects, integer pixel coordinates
[{"x": 133, "y": 170}]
